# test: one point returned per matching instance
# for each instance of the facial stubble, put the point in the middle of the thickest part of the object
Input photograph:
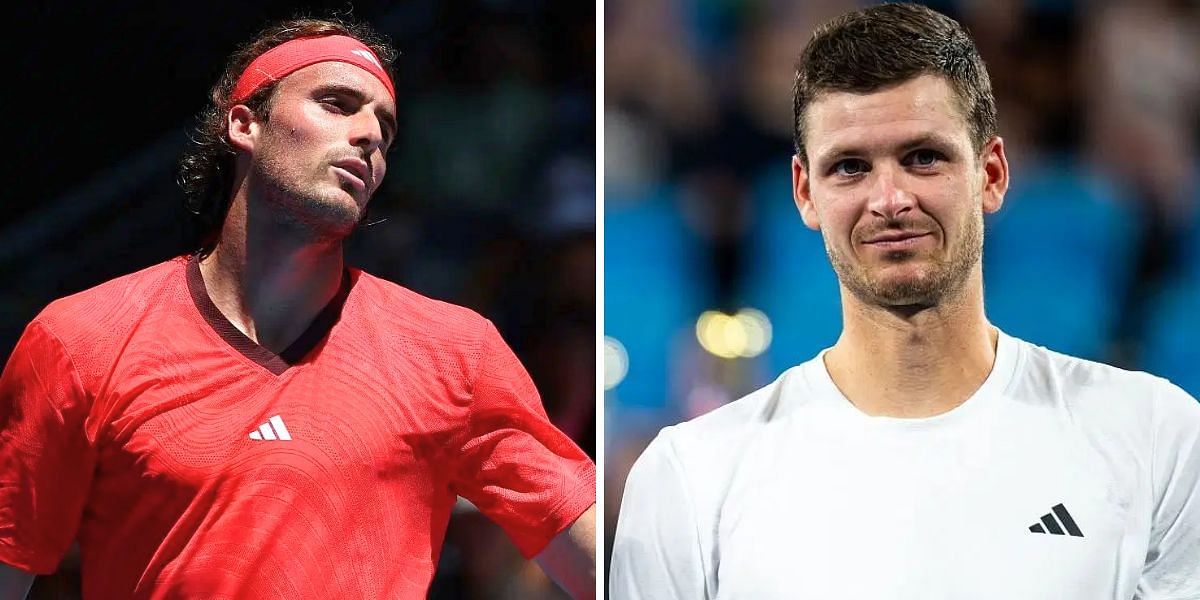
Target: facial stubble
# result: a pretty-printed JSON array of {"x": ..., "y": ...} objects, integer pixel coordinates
[
  {"x": 299, "y": 202},
  {"x": 944, "y": 276}
]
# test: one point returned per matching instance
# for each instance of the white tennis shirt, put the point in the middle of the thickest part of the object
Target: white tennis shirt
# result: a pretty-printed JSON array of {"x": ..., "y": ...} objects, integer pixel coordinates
[{"x": 1059, "y": 479}]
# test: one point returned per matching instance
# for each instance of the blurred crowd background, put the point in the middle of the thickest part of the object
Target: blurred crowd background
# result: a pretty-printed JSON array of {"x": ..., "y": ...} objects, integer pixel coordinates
[
  {"x": 713, "y": 286},
  {"x": 489, "y": 200}
]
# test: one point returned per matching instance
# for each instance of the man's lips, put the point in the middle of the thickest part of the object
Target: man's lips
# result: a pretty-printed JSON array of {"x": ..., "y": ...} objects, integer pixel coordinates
[
  {"x": 355, "y": 168},
  {"x": 895, "y": 239}
]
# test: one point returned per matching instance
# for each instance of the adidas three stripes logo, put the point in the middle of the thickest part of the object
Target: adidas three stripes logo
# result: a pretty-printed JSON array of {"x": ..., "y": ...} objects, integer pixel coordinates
[
  {"x": 1052, "y": 526},
  {"x": 273, "y": 429}
]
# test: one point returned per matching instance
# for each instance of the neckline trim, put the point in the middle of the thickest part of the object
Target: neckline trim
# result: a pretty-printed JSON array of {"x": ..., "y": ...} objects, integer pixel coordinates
[
  {"x": 277, "y": 364},
  {"x": 997, "y": 382}
]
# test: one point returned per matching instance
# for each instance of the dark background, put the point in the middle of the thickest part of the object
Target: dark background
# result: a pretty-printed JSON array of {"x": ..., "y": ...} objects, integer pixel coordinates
[{"x": 489, "y": 200}]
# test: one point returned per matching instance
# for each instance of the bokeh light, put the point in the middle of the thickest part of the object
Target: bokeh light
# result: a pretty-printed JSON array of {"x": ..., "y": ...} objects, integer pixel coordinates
[
  {"x": 616, "y": 362},
  {"x": 745, "y": 334}
]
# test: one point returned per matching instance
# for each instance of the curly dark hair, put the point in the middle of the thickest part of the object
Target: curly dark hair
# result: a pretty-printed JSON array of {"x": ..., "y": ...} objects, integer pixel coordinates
[
  {"x": 206, "y": 168},
  {"x": 873, "y": 48}
]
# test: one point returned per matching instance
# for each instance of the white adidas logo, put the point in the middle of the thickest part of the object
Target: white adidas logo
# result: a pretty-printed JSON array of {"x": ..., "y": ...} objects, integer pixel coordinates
[
  {"x": 273, "y": 429},
  {"x": 367, "y": 55}
]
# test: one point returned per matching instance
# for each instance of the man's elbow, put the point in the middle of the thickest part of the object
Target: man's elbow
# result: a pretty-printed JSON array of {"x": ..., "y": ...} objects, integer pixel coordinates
[{"x": 570, "y": 558}]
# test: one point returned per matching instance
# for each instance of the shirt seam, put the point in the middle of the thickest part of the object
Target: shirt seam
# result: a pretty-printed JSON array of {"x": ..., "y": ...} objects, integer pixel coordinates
[
  {"x": 76, "y": 380},
  {"x": 1018, "y": 364},
  {"x": 474, "y": 372},
  {"x": 33, "y": 557}
]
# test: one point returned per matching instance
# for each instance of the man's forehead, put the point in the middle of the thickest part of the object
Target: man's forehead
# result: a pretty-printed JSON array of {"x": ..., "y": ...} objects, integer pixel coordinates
[
  {"x": 924, "y": 106},
  {"x": 338, "y": 74}
]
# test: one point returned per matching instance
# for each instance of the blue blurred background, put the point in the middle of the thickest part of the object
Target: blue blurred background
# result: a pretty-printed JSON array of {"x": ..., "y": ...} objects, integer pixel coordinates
[
  {"x": 1096, "y": 252},
  {"x": 489, "y": 200}
]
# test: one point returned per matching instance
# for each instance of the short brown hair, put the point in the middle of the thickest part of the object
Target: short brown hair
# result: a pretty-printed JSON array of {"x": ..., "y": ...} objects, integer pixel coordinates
[
  {"x": 873, "y": 48},
  {"x": 206, "y": 168}
]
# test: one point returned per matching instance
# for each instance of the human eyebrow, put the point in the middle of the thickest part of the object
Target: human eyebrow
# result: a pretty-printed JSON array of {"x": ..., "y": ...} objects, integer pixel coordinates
[
  {"x": 827, "y": 157},
  {"x": 834, "y": 155},
  {"x": 928, "y": 140}
]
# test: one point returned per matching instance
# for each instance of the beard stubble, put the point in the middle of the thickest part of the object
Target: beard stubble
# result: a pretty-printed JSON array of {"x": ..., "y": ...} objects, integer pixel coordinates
[{"x": 944, "y": 276}]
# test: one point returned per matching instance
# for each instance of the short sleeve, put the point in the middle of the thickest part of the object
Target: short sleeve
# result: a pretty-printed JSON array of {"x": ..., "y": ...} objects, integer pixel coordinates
[
  {"x": 1172, "y": 569},
  {"x": 46, "y": 461},
  {"x": 657, "y": 552},
  {"x": 513, "y": 463}
]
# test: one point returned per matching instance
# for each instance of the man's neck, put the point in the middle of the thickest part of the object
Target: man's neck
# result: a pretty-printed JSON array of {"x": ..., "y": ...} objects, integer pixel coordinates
[
  {"x": 267, "y": 284},
  {"x": 896, "y": 364}
]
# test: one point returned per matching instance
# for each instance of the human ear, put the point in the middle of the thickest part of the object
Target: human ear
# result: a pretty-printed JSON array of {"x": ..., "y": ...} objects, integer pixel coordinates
[
  {"x": 802, "y": 194},
  {"x": 242, "y": 127},
  {"x": 995, "y": 175}
]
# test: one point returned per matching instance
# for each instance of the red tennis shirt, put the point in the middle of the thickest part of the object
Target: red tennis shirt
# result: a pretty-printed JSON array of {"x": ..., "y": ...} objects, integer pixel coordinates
[{"x": 190, "y": 462}]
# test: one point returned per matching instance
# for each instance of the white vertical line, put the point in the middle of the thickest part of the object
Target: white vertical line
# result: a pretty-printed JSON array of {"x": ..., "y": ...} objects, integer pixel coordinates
[
  {"x": 600, "y": 427},
  {"x": 280, "y": 428},
  {"x": 267, "y": 433}
]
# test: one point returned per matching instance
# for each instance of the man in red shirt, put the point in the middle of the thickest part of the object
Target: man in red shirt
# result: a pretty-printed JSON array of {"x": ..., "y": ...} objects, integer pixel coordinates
[{"x": 259, "y": 420}]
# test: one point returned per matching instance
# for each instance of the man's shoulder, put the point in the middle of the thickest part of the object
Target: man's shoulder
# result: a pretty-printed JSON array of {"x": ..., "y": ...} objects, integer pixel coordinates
[
  {"x": 721, "y": 431},
  {"x": 760, "y": 407},
  {"x": 112, "y": 304},
  {"x": 396, "y": 307},
  {"x": 1072, "y": 373},
  {"x": 1104, "y": 391}
]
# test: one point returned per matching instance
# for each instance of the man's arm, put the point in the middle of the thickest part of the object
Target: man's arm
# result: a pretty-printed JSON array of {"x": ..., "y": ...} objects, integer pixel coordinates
[
  {"x": 657, "y": 553},
  {"x": 570, "y": 558},
  {"x": 14, "y": 583},
  {"x": 1172, "y": 569},
  {"x": 46, "y": 458}
]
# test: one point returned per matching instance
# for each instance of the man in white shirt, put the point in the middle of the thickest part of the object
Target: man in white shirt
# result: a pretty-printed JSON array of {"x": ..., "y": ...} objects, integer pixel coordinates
[{"x": 926, "y": 455}]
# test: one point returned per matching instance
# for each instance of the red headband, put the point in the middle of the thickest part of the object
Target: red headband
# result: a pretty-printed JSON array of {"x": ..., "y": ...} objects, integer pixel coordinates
[{"x": 293, "y": 55}]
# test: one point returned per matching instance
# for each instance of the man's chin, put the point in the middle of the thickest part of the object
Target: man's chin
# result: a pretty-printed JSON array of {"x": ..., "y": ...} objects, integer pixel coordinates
[
  {"x": 910, "y": 290},
  {"x": 353, "y": 194},
  {"x": 907, "y": 299},
  {"x": 329, "y": 218}
]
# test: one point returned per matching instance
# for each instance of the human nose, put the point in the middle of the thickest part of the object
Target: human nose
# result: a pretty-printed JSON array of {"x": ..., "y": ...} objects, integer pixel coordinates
[
  {"x": 366, "y": 132},
  {"x": 889, "y": 199}
]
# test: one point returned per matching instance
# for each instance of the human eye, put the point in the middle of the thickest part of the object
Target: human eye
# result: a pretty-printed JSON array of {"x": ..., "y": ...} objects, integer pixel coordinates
[
  {"x": 336, "y": 103},
  {"x": 924, "y": 158},
  {"x": 849, "y": 167}
]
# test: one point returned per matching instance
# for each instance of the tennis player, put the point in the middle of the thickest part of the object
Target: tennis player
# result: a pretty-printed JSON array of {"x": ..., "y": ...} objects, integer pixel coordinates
[
  {"x": 257, "y": 420},
  {"x": 926, "y": 455}
]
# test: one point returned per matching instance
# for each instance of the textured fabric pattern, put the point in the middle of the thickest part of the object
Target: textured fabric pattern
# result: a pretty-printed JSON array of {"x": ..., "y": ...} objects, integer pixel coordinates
[{"x": 125, "y": 422}]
